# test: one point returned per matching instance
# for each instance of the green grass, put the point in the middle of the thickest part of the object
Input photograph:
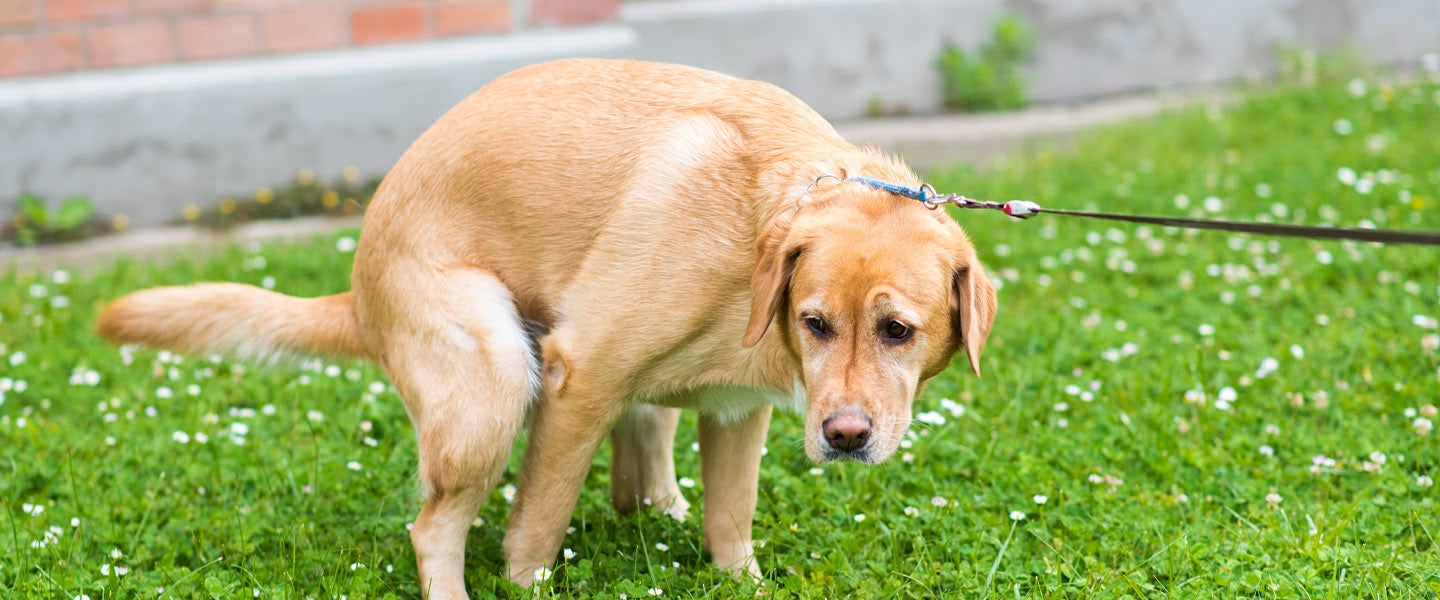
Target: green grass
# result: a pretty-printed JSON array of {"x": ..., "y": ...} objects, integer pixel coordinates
[{"x": 1087, "y": 372}]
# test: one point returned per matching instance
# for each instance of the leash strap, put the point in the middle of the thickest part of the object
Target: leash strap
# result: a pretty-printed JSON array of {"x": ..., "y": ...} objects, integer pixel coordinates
[{"x": 1024, "y": 209}]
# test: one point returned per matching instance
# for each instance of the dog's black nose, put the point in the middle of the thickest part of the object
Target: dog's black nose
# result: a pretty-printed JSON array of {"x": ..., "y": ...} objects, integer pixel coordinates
[{"x": 847, "y": 432}]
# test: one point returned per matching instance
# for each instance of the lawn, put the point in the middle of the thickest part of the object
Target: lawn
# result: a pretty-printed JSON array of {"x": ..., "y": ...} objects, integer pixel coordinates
[{"x": 1163, "y": 413}]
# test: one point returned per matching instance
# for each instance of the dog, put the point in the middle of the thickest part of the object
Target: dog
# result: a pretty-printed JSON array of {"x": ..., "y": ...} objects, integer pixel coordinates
[{"x": 592, "y": 245}]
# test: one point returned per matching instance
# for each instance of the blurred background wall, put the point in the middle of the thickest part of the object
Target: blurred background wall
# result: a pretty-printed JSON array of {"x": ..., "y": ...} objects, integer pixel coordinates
[{"x": 149, "y": 105}]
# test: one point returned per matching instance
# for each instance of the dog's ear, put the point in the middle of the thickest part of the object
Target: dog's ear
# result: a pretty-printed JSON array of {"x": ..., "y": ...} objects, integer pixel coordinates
[
  {"x": 973, "y": 304},
  {"x": 778, "y": 253}
]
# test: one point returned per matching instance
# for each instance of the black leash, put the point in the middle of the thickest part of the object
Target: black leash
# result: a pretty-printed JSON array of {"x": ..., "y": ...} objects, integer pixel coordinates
[{"x": 1024, "y": 209}]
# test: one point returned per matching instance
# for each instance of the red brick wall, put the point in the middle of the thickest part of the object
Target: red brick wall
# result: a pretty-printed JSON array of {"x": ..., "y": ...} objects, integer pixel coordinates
[{"x": 40, "y": 37}]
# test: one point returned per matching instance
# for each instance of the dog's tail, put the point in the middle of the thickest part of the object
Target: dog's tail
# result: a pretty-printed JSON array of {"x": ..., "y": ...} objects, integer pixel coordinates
[{"x": 238, "y": 320}]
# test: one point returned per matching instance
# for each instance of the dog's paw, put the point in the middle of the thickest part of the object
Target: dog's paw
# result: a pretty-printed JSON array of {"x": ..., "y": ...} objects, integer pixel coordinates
[{"x": 679, "y": 509}]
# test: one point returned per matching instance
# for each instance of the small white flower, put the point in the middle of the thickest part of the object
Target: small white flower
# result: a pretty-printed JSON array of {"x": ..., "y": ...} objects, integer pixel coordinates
[
  {"x": 662, "y": 546},
  {"x": 860, "y": 518},
  {"x": 543, "y": 574},
  {"x": 1423, "y": 426},
  {"x": 1297, "y": 352},
  {"x": 477, "y": 522},
  {"x": 931, "y": 417},
  {"x": 1195, "y": 396},
  {"x": 354, "y": 466},
  {"x": 180, "y": 437},
  {"x": 315, "y": 415},
  {"x": 239, "y": 429},
  {"x": 938, "y": 501},
  {"x": 1181, "y": 498},
  {"x": 1040, "y": 499},
  {"x": 1424, "y": 481},
  {"x": 1356, "y": 87},
  {"x": 508, "y": 492},
  {"x": 117, "y": 554},
  {"x": 569, "y": 554},
  {"x": 1016, "y": 515},
  {"x": 1273, "y": 499},
  {"x": 356, "y": 566},
  {"x": 1206, "y": 330},
  {"x": 817, "y": 471},
  {"x": 164, "y": 392},
  {"x": 345, "y": 244},
  {"x": 687, "y": 482},
  {"x": 911, "y": 511},
  {"x": 655, "y": 591},
  {"x": 1343, "y": 127},
  {"x": 1267, "y": 450}
]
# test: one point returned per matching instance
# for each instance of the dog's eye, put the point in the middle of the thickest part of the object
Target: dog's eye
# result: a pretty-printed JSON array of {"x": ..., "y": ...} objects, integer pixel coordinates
[
  {"x": 896, "y": 331},
  {"x": 817, "y": 325}
]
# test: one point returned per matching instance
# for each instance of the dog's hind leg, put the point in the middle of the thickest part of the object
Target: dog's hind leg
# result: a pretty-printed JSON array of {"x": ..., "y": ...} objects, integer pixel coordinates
[
  {"x": 642, "y": 467},
  {"x": 464, "y": 364}
]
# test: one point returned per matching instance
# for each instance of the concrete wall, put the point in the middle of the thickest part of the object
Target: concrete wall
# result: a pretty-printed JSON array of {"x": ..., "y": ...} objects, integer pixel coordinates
[
  {"x": 839, "y": 54},
  {"x": 147, "y": 141}
]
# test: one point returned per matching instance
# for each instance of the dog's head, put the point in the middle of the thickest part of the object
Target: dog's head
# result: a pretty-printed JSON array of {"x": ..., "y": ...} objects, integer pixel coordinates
[{"x": 873, "y": 294}]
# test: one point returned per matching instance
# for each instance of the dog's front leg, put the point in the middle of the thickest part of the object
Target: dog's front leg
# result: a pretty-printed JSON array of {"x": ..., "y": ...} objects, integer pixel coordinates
[
  {"x": 570, "y": 422},
  {"x": 730, "y": 465},
  {"x": 642, "y": 467}
]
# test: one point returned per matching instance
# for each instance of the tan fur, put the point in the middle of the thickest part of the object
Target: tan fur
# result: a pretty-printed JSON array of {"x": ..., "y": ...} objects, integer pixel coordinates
[
  {"x": 664, "y": 226},
  {"x": 239, "y": 320}
]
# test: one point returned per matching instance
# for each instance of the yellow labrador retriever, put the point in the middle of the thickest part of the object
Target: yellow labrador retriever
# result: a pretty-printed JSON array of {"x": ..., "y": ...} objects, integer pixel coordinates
[{"x": 601, "y": 242}]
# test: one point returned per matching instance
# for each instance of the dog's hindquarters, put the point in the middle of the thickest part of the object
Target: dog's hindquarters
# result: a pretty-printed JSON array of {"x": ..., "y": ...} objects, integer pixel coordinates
[
  {"x": 455, "y": 346},
  {"x": 236, "y": 320}
]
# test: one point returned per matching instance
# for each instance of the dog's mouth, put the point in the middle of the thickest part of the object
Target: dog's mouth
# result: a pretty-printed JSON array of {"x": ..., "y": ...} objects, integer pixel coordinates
[{"x": 861, "y": 455}]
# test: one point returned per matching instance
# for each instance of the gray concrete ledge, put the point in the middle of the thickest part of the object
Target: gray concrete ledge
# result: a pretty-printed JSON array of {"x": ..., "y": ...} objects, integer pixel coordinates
[{"x": 147, "y": 142}]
